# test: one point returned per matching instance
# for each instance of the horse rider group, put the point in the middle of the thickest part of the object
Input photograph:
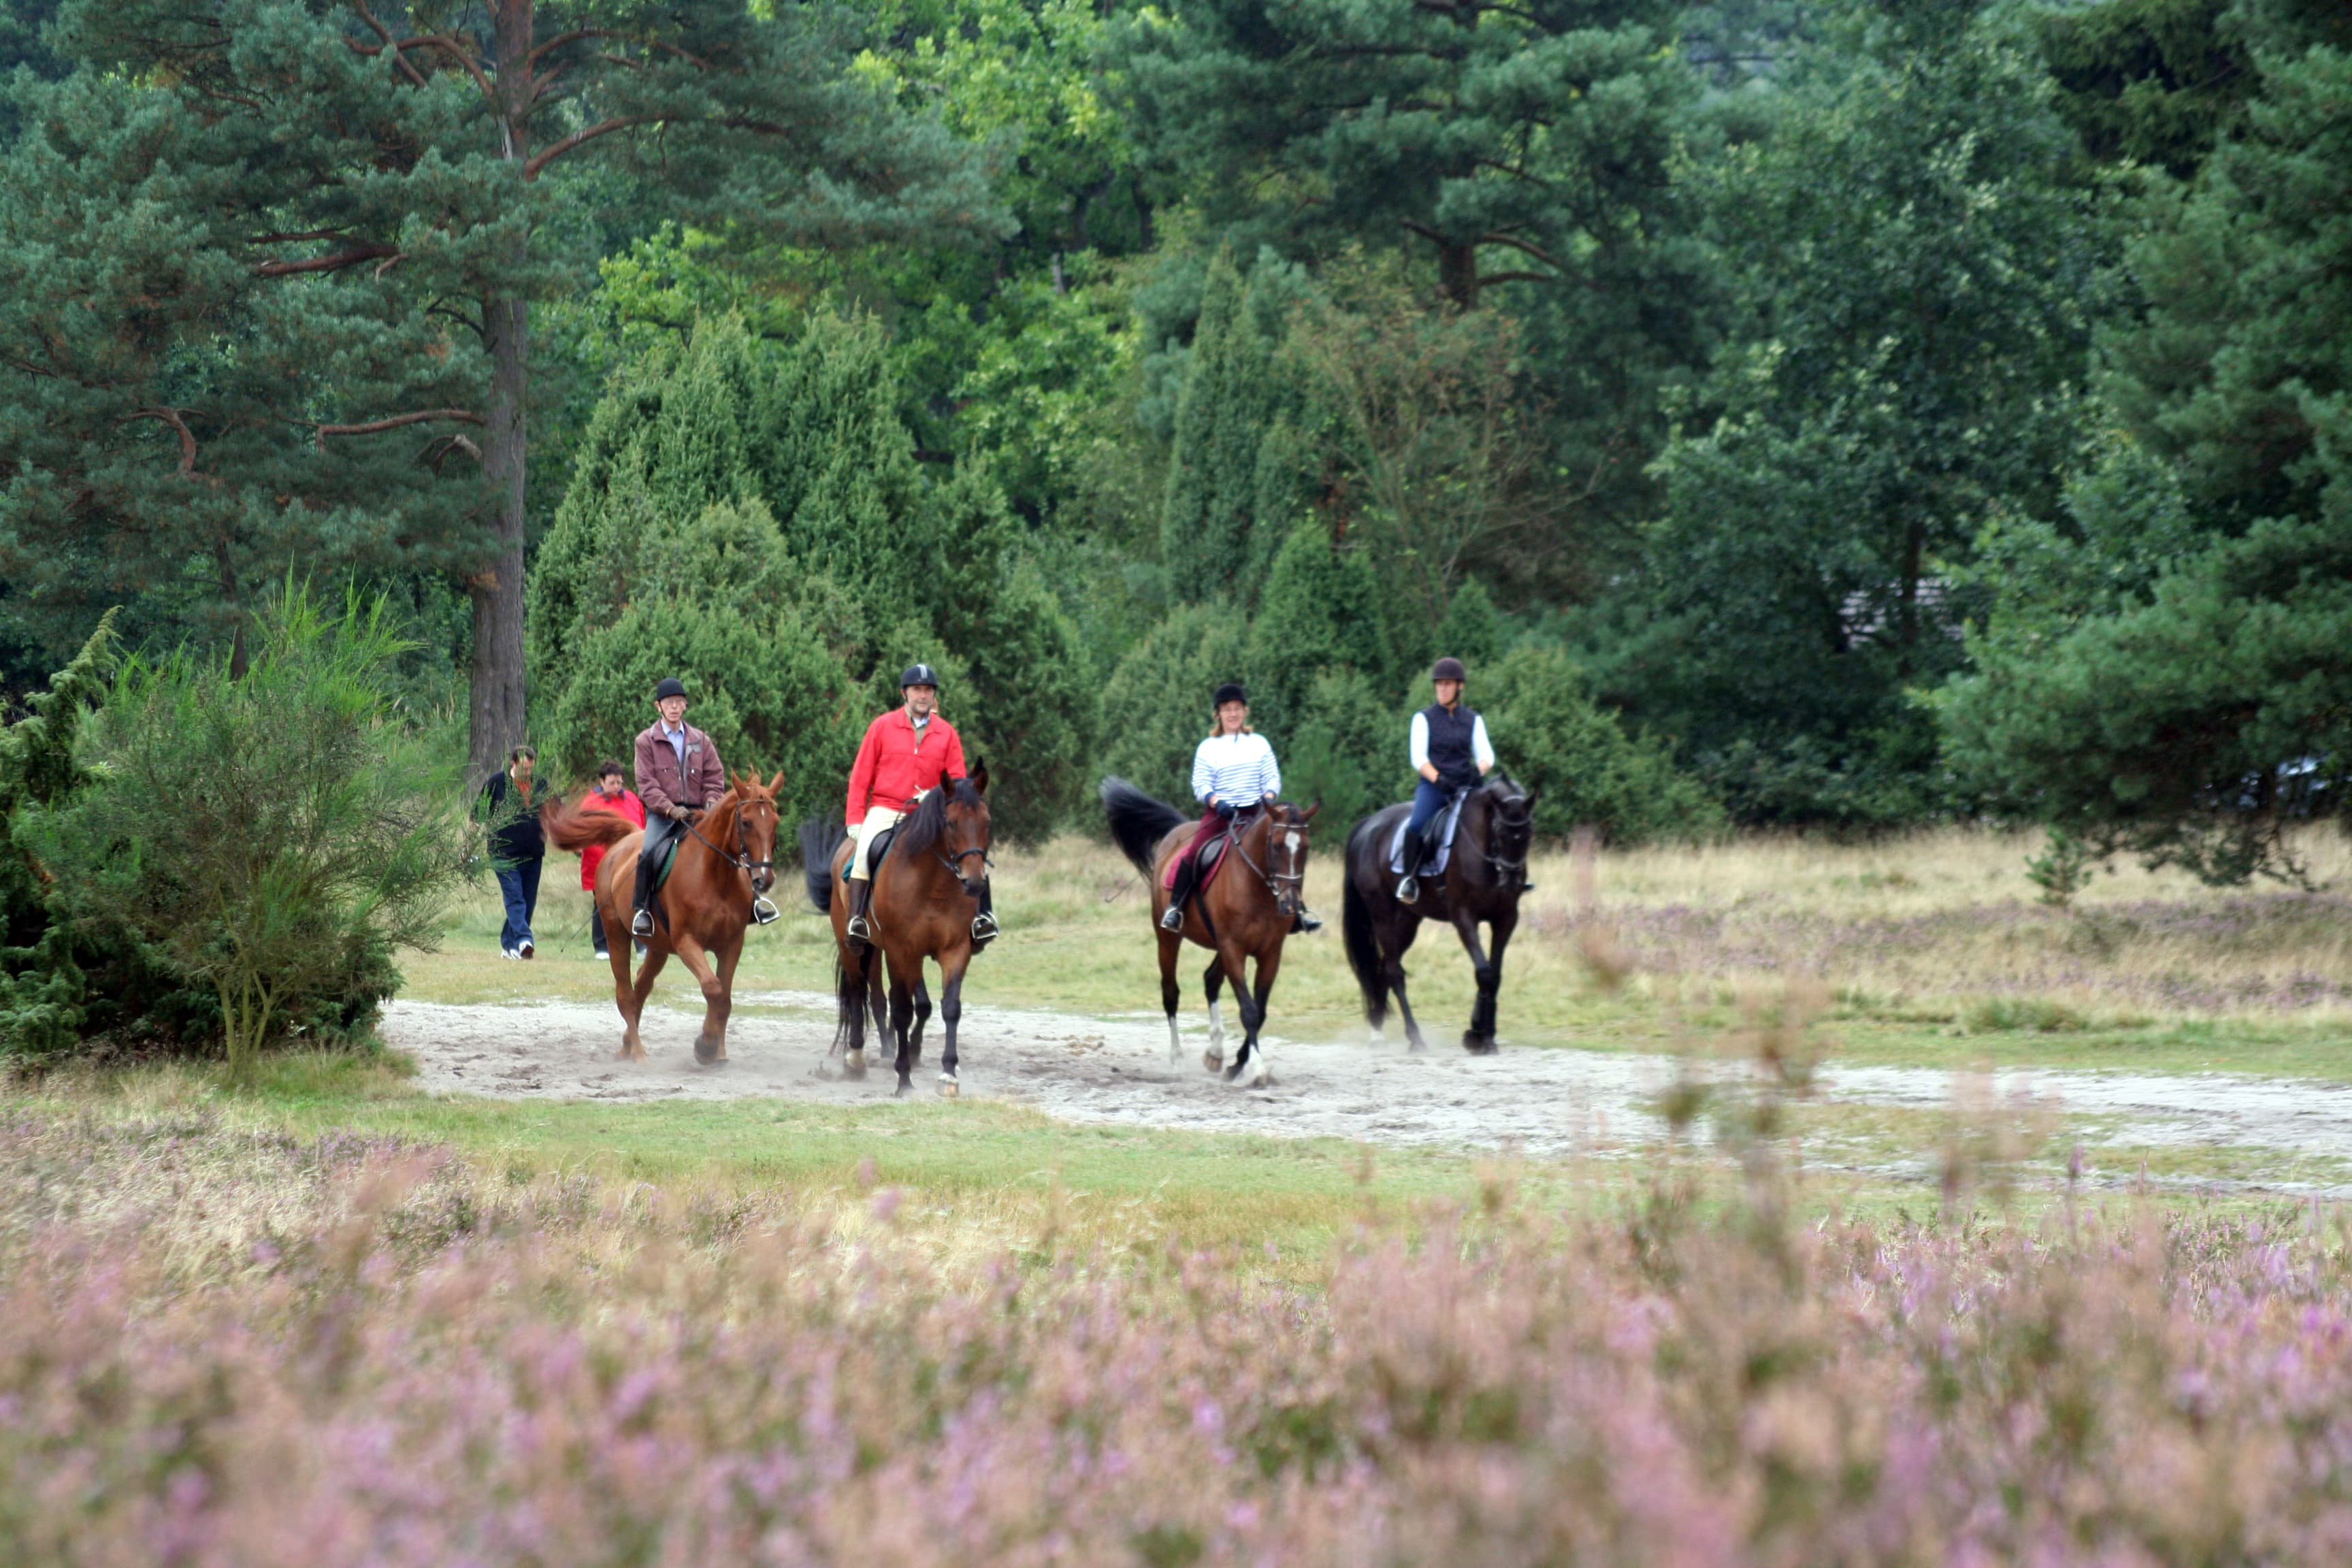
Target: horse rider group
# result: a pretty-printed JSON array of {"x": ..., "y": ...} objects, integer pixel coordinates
[
  {"x": 911, "y": 750},
  {"x": 906, "y": 753}
]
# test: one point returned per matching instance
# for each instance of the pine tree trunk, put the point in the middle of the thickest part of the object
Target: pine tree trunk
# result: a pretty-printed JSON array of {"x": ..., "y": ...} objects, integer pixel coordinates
[
  {"x": 1457, "y": 275},
  {"x": 495, "y": 709}
]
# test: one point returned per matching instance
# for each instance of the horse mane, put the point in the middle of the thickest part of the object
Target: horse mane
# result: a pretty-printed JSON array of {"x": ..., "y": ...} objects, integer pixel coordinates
[{"x": 923, "y": 825}]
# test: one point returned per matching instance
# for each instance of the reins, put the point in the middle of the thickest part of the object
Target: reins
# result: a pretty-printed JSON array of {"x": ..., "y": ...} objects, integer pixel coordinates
[
  {"x": 1271, "y": 879},
  {"x": 741, "y": 859}
]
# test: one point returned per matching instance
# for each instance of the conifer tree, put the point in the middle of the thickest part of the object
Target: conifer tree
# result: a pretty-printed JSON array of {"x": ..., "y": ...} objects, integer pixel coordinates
[{"x": 267, "y": 266}]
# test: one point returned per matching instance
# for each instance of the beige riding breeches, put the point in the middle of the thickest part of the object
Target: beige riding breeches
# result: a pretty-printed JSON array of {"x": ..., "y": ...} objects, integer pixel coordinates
[{"x": 877, "y": 821}]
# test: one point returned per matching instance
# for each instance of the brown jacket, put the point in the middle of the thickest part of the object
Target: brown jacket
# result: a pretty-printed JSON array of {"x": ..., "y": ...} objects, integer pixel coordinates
[{"x": 660, "y": 783}]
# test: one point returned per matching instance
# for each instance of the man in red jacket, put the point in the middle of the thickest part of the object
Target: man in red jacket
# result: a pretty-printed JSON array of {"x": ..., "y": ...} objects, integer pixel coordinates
[{"x": 905, "y": 752}]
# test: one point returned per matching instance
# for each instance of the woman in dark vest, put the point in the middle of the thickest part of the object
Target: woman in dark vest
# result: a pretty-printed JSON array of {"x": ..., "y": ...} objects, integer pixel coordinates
[{"x": 1451, "y": 752}]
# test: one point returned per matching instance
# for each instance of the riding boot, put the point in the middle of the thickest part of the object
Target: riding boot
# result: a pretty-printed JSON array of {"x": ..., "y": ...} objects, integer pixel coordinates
[
  {"x": 1416, "y": 851},
  {"x": 861, "y": 892},
  {"x": 1174, "y": 920},
  {"x": 1307, "y": 920},
  {"x": 985, "y": 929},
  {"x": 641, "y": 924}
]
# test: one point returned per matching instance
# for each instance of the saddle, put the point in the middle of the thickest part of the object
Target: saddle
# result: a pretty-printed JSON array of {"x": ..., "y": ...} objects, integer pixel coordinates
[
  {"x": 1438, "y": 835},
  {"x": 881, "y": 850}
]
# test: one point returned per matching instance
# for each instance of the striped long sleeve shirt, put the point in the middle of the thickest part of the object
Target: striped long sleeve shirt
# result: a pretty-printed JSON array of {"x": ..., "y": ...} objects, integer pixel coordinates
[{"x": 1238, "y": 768}]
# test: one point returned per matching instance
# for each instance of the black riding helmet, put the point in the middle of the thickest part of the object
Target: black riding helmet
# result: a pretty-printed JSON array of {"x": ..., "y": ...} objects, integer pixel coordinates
[
  {"x": 1448, "y": 669},
  {"x": 671, "y": 685},
  {"x": 1231, "y": 691},
  {"x": 919, "y": 675}
]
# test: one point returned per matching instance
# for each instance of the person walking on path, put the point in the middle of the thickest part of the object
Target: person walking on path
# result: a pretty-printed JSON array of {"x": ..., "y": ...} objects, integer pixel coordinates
[
  {"x": 610, "y": 795},
  {"x": 518, "y": 847},
  {"x": 1451, "y": 752},
  {"x": 905, "y": 752},
  {"x": 680, "y": 776},
  {"x": 1234, "y": 771}
]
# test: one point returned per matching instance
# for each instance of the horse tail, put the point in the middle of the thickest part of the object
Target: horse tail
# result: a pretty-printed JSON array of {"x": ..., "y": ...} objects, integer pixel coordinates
[
  {"x": 1363, "y": 949},
  {"x": 818, "y": 841},
  {"x": 1137, "y": 822},
  {"x": 573, "y": 828}
]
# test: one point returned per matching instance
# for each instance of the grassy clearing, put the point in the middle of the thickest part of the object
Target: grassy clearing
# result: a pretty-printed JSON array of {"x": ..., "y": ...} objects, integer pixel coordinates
[{"x": 1930, "y": 948}]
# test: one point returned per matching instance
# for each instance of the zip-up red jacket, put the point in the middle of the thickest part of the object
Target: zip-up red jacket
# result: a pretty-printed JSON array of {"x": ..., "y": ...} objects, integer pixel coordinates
[
  {"x": 894, "y": 763},
  {"x": 625, "y": 803}
]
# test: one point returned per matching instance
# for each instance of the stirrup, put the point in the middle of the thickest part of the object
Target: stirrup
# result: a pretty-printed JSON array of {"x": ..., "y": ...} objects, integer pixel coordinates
[
  {"x": 643, "y": 925},
  {"x": 858, "y": 929},
  {"x": 764, "y": 908},
  {"x": 1409, "y": 889},
  {"x": 984, "y": 927},
  {"x": 1174, "y": 920}
]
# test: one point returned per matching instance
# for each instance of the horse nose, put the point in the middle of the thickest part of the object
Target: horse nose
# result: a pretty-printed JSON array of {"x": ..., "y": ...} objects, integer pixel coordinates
[{"x": 764, "y": 881}]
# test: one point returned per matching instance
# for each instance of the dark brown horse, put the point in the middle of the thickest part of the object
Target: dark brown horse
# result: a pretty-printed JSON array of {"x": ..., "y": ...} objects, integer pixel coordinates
[
  {"x": 1482, "y": 882},
  {"x": 703, "y": 908},
  {"x": 927, "y": 889},
  {"x": 1244, "y": 914}
]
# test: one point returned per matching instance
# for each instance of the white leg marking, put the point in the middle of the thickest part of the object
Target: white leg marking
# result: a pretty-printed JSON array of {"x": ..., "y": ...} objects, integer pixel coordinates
[
  {"x": 1175, "y": 1041},
  {"x": 1216, "y": 1028}
]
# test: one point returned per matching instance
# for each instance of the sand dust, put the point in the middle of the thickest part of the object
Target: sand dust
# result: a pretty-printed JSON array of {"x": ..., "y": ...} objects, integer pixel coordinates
[{"x": 1542, "y": 1101}]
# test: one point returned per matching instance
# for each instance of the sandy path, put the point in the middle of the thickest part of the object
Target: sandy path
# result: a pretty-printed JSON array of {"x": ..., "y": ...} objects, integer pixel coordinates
[{"x": 1544, "y": 1101}]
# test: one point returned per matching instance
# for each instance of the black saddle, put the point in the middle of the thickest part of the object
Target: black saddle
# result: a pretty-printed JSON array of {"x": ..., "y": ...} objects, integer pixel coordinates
[{"x": 881, "y": 849}]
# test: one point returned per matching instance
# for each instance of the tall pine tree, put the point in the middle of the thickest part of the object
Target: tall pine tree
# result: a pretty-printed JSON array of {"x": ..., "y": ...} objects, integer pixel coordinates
[{"x": 269, "y": 266}]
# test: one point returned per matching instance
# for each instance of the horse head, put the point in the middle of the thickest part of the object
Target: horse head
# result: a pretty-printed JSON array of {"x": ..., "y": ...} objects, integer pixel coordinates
[
  {"x": 964, "y": 836},
  {"x": 1286, "y": 830},
  {"x": 756, "y": 819},
  {"x": 1510, "y": 825}
]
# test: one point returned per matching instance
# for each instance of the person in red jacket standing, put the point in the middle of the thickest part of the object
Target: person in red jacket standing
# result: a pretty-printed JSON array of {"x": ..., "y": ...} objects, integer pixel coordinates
[
  {"x": 905, "y": 752},
  {"x": 610, "y": 795}
]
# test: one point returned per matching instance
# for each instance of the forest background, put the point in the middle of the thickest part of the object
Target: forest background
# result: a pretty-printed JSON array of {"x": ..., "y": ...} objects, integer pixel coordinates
[{"x": 1853, "y": 414}]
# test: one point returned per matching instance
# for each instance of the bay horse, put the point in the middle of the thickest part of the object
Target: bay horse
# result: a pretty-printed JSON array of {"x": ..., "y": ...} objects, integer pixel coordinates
[
  {"x": 1483, "y": 879},
  {"x": 702, "y": 910},
  {"x": 1244, "y": 914},
  {"x": 927, "y": 889}
]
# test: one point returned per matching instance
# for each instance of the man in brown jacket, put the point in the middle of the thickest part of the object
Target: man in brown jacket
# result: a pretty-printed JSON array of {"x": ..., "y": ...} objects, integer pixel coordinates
[{"x": 679, "y": 777}]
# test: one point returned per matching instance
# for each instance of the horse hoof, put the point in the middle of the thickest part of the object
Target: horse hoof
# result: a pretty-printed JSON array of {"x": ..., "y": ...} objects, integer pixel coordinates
[
  {"x": 1479, "y": 1045},
  {"x": 1418, "y": 1047},
  {"x": 707, "y": 1052},
  {"x": 852, "y": 1065},
  {"x": 903, "y": 1091},
  {"x": 949, "y": 1088},
  {"x": 1211, "y": 1061},
  {"x": 1233, "y": 1073}
]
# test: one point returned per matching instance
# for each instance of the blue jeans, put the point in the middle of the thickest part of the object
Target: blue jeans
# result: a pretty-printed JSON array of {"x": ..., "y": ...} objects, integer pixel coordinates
[
  {"x": 519, "y": 883},
  {"x": 1428, "y": 800}
]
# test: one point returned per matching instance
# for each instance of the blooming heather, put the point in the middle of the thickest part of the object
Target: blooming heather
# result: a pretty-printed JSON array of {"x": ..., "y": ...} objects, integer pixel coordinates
[{"x": 434, "y": 1369}]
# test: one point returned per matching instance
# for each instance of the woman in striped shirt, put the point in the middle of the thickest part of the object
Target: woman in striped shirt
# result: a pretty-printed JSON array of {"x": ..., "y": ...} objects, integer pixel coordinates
[{"x": 1232, "y": 771}]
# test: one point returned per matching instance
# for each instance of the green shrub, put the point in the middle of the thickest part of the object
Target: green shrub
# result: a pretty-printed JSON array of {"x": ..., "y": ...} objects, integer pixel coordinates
[
  {"x": 1552, "y": 737},
  {"x": 1155, "y": 707},
  {"x": 273, "y": 837},
  {"x": 1348, "y": 751}
]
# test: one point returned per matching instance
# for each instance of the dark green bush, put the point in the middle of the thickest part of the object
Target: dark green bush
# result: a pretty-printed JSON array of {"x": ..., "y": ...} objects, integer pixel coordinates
[{"x": 1552, "y": 737}]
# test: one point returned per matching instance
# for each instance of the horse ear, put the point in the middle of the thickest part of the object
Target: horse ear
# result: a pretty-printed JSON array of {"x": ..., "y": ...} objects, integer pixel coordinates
[
  {"x": 1310, "y": 812},
  {"x": 774, "y": 782},
  {"x": 980, "y": 778}
]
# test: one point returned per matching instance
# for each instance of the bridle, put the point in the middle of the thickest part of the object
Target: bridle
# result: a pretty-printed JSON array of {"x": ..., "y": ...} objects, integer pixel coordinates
[
  {"x": 1508, "y": 871},
  {"x": 741, "y": 859},
  {"x": 954, "y": 863},
  {"x": 1288, "y": 888}
]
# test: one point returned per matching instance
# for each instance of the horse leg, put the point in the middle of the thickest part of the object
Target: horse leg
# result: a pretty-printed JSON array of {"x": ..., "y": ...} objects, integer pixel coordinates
[
  {"x": 1479, "y": 1038},
  {"x": 1170, "y": 995},
  {"x": 633, "y": 998},
  {"x": 1213, "y": 983},
  {"x": 950, "y": 1014},
  {"x": 1236, "y": 965},
  {"x": 1490, "y": 982},
  {"x": 902, "y": 1015},
  {"x": 690, "y": 953},
  {"x": 922, "y": 1011},
  {"x": 728, "y": 959},
  {"x": 1392, "y": 951},
  {"x": 1269, "y": 964}
]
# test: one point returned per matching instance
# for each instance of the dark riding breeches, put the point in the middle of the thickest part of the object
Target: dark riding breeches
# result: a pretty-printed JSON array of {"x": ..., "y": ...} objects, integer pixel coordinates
[
  {"x": 660, "y": 832},
  {"x": 1428, "y": 800}
]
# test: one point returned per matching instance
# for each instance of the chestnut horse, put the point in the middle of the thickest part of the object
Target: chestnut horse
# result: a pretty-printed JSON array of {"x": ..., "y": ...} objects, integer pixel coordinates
[
  {"x": 927, "y": 891},
  {"x": 1242, "y": 914},
  {"x": 701, "y": 912}
]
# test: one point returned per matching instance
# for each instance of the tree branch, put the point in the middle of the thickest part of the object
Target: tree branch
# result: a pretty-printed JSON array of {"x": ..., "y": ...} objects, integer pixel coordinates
[
  {"x": 588, "y": 133},
  {"x": 1486, "y": 278},
  {"x": 341, "y": 260},
  {"x": 187, "y": 438},
  {"x": 1525, "y": 249},
  {"x": 391, "y": 43},
  {"x": 372, "y": 426}
]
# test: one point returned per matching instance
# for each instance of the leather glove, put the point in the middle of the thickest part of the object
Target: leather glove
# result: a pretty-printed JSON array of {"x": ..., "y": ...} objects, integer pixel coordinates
[
  {"x": 678, "y": 814},
  {"x": 1225, "y": 809}
]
